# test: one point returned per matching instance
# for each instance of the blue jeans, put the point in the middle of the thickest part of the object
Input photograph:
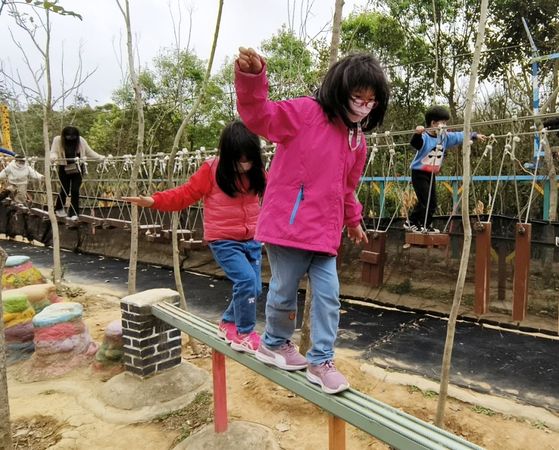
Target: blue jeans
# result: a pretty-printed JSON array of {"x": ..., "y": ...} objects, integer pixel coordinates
[
  {"x": 288, "y": 265},
  {"x": 241, "y": 261}
]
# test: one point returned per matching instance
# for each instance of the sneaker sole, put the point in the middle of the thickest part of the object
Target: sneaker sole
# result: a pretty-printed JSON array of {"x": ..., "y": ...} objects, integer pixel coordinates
[
  {"x": 274, "y": 362},
  {"x": 242, "y": 348},
  {"x": 316, "y": 380}
]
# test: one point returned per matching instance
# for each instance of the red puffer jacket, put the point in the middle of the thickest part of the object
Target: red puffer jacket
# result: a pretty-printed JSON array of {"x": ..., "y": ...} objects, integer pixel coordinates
[{"x": 232, "y": 218}]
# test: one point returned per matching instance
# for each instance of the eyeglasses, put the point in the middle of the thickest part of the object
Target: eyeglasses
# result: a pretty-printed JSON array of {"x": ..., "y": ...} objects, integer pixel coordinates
[{"x": 372, "y": 104}]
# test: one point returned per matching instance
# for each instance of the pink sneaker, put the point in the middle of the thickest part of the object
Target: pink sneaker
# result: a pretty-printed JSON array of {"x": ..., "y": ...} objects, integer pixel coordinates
[
  {"x": 248, "y": 342},
  {"x": 327, "y": 376},
  {"x": 227, "y": 331},
  {"x": 285, "y": 357}
]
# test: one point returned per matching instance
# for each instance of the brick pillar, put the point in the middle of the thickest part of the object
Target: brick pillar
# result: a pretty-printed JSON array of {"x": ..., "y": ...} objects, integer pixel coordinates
[{"x": 150, "y": 345}]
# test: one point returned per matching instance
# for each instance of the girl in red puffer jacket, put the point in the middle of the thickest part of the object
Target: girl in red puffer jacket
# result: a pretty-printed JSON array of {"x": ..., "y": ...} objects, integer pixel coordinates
[{"x": 229, "y": 186}]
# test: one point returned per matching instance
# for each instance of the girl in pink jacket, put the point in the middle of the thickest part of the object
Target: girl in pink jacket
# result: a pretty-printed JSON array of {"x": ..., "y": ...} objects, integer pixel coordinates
[
  {"x": 310, "y": 197},
  {"x": 229, "y": 186}
]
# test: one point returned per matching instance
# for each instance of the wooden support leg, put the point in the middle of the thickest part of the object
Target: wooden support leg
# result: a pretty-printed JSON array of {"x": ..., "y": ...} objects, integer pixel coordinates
[
  {"x": 521, "y": 271},
  {"x": 220, "y": 392},
  {"x": 373, "y": 259},
  {"x": 336, "y": 433},
  {"x": 483, "y": 267}
]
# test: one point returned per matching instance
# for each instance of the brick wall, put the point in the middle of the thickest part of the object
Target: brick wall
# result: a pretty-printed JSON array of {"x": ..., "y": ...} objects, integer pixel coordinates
[{"x": 150, "y": 345}]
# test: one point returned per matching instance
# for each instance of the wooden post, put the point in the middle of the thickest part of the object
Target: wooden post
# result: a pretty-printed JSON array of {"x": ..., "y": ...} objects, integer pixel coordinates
[
  {"x": 521, "y": 270},
  {"x": 483, "y": 267},
  {"x": 220, "y": 392},
  {"x": 336, "y": 433},
  {"x": 373, "y": 259}
]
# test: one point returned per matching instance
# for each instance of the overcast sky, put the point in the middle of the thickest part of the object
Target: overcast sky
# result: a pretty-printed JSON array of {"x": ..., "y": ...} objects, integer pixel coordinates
[{"x": 99, "y": 37}]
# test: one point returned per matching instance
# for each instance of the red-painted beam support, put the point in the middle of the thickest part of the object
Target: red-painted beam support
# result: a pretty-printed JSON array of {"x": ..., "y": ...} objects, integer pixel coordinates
[
  {"x": 521, "y": 270},
  {"x": 373, "y": 259},
  {"x": 220, "y": 392}
]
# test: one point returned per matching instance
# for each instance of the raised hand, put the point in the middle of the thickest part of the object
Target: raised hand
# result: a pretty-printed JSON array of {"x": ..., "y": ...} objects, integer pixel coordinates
[
  {"x": 249, "y": 61},
  {"x": 144, "y": 202}
]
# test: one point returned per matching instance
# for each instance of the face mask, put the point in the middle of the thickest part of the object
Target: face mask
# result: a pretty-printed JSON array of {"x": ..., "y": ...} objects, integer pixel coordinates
[
  {"x": 245, "y": 166},
  {"x": 71, "y": 137},
  {"x": 358, "y": 113}
]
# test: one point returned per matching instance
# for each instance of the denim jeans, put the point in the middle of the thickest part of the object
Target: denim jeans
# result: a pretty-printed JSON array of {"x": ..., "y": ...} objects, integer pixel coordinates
[
  {"x": 241, "y": 261},
  {"x": 288, "y": 265}
]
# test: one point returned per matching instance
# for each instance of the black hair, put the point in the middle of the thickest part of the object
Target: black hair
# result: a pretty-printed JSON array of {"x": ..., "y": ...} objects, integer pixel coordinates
[
  {"x": 19, "y": 157},
  {"x": 352, "y": 73},
  {"x": 70, "y": 138},
  {"x": 237, "y": 140},
  {"x": 436, "y": 113}
]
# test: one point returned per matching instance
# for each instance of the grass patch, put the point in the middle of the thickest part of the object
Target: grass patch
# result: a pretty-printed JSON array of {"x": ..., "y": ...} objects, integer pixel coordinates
[
  {"x": 481, "y": 410},
  {"x": 540, "y": 425},
  {"x": 404, "y": 287},
  {"x": 187, "y": 420},
  {"x": 427, "y": 394}
]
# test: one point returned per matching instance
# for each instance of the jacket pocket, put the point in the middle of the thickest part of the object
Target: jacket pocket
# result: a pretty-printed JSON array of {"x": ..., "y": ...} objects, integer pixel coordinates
[{"x": 300, "y": 198}]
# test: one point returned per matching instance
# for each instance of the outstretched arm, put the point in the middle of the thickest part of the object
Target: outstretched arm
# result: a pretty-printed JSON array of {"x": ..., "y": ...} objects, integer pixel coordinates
[
  {"x": 144, "y": 202},
  {"x": 180, "y": 197}
]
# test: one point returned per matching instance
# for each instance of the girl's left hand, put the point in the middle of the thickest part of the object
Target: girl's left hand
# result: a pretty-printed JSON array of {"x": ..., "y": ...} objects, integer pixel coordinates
[{"x": 357, "y": 235}]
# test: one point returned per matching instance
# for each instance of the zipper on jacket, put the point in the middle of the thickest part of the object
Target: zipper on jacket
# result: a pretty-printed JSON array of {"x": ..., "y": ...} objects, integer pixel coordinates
[{"x": 300, "y": 198}]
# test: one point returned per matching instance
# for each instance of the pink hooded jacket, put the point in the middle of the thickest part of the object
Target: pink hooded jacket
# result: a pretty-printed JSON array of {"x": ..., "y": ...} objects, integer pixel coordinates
[
  {"x": 231, "y": 218},
  {"x": 310, "y": 191}
]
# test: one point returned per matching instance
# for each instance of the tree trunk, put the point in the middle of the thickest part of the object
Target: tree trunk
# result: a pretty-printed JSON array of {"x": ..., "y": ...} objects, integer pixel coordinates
[
  {"x": 451, "y": 327},
  {"x": 5, "y": 431},
  {"x": 176, "y": 143},
  {"x": 306, "y": 342},
  {"x": 552, "y": 174},
  {"x": 133, "y": 185},
  {"x": 47, "y": 110},
  {"x": 336, "y": 27}
]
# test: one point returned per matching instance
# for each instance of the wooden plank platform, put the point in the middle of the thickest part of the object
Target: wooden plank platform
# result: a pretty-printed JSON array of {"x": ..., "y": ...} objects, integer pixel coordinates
[
  {"x": 39, "y": 212},
  {"x": 93, "y": 220},
  {"x": 116, "y": 223},
  {"x": 428, "y": 239},
  {"x": 191, "y": 244}
]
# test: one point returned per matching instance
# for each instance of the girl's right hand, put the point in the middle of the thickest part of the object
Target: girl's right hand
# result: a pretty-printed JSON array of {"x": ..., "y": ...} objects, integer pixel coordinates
[
  {"x": 144, "y": 202},
  {"x": 249, "y": 61}
]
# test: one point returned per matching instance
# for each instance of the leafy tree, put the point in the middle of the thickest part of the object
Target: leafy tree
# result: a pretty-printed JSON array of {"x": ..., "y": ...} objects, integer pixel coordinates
[
  {"x": 448, "y": 32},
  {"x": 507, "y": 39},
  {"x": 399, "y": 51},
  {"x": 291, "y": 68}
]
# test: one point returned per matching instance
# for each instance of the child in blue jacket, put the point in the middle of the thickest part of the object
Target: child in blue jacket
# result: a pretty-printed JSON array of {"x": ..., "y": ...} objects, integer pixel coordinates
[{"x": 431, "y": 148}]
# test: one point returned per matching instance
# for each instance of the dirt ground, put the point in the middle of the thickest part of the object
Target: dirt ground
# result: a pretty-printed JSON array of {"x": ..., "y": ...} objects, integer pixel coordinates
[{"x": 45, "y": 417}]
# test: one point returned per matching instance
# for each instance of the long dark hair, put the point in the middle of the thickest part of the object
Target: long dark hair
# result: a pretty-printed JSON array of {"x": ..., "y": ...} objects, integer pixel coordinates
[
  {"x": 70, "y": 138},
  {"x": 355, "y": 72},
  {"x": 236, "y": 141}
]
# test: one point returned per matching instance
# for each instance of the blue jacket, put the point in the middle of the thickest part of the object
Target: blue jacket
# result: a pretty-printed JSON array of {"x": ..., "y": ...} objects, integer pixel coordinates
[{"x": 430, "y": 159}]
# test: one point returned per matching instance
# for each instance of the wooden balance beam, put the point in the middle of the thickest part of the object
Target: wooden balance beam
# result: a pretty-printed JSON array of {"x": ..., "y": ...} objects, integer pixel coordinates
[
  {"x": 427, "y": 239},
  {"x": 390, "y": 425}
]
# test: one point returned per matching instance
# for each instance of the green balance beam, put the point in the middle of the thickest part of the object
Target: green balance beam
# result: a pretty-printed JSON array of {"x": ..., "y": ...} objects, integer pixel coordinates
[{"x": 382, "y": 421}]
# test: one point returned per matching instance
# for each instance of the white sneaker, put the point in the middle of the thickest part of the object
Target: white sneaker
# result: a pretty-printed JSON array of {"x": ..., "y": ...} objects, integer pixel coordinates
[
  {"x": 60, "y": 213},
  {"x": 73, "y": 217}
]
